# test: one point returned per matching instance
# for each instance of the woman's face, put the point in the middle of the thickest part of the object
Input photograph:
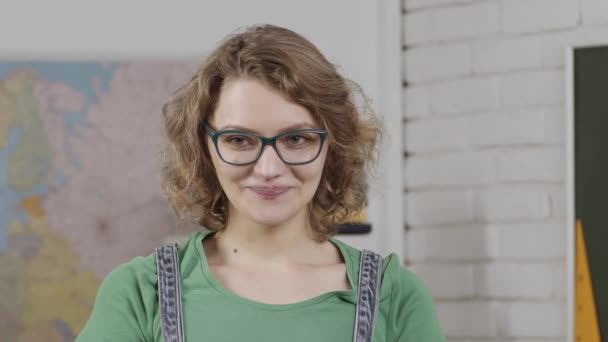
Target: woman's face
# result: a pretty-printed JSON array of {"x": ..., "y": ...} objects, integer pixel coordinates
[{"x": 268, "y": 192}]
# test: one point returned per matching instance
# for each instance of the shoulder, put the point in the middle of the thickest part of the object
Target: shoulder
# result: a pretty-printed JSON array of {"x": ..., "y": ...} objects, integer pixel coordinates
[
  {"x": 139, "y": 271},
  {"x": 412, "y": 314},
  {"x": 130, "y": 286},
  {"x": 410, "y": 309},
  {"x": 126, "y": 302},
  {"x": 394, "y": 275},
  {"x": 402, "y": 280},
  {"x": 123, "y": 309}
]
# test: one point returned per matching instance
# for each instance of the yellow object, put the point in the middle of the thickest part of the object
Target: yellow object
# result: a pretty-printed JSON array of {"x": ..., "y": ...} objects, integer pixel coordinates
[
  {"x": 360, "y": 218},
  {"x": 586, "y": 323}
]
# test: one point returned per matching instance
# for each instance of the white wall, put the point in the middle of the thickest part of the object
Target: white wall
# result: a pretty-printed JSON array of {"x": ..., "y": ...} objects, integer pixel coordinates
[{"x": 484, "y": 113}]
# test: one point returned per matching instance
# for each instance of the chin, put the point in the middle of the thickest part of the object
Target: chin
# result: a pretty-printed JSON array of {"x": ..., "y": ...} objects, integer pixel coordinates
[
  {"x": 271, "y": 215},
  {"x": 269, "y": 212},
  {"x": 270, "y": 218}
]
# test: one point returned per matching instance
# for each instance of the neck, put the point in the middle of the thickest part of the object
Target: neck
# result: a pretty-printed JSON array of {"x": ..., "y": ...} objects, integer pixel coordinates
[{"x": 245, "y": 241}]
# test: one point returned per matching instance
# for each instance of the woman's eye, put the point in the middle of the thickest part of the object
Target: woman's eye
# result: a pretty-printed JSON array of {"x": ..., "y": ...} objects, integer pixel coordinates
[
  {"x": 237, "y": 140},
  {"x": 297, "y": 139}
]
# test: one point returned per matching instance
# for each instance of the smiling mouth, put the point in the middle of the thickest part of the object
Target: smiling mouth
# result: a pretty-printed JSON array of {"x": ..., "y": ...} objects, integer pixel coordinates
[{"x": 269, "y": 192}]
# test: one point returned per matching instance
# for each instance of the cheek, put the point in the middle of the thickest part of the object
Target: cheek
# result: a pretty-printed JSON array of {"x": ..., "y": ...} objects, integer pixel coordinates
[
  {"x": 319, "y": 164},
  {"x": 227, "y": 174},
  {"x": 311, "y": 174}
]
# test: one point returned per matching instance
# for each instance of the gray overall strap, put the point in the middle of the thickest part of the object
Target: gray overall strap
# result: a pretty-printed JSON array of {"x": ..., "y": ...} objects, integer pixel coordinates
[
  {"x": 370, "y": 277},
  {"x": 170, "y": 293}
]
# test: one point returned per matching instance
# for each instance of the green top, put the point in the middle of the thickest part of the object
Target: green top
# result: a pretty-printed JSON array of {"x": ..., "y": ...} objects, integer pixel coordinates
[{"x": 126, "y": 308}]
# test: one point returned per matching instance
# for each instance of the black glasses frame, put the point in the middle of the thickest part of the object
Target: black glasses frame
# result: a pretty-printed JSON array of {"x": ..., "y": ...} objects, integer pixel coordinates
[{"x": 272, "y": 141}]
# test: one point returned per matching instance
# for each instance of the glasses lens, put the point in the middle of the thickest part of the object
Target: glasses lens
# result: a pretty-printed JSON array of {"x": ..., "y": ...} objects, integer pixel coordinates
[
  {"x": 238, "y": 148},
  {"x": 242, "y": 148},
  {"x": 299, "y": 147}
]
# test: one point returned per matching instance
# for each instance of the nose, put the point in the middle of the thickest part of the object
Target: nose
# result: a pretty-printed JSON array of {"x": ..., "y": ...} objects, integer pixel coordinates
[{"x": 270, "y": 164}]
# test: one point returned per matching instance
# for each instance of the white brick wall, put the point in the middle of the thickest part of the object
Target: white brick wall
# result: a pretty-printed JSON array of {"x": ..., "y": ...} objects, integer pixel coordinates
[
  {"x": 456, "y": 243},
  {"x": 512, "y": 203},
  {"x": 469, "y": 319},
  {"x": 439, "y": 206},
  {"x": 437, "y": 134},
  {"x": 448, "y": 281},
  {"x": 534, "y": 319},
  {"x": 532, "y": 88},
  {"x": 496, "y": 54},
  {"x": 484, "y": 132},
  {"x": 465, "y": 95},
  {"x": 452, "y": 22},
  {"x": 414, "y": 4},
  {"x": 594, "y": 12},
  {"x": 517, "y": 127},
  {"x": 515, "y": 280},
  {"x": 415, "y": 101},
  {"x": 536, "y": 164},
  {"x": 519, "y": 16},
  {"x": 544, "y": 240},
  {"x": 454, "y": 169},
  {"x": 436, "y": 62}
]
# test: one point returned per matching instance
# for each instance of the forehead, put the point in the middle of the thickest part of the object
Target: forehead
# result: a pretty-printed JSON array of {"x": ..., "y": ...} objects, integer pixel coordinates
[{"x": 255, "y": 106}]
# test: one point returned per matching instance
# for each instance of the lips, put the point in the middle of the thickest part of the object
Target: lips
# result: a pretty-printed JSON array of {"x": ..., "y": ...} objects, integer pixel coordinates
[{"x": 269, "y": 191}]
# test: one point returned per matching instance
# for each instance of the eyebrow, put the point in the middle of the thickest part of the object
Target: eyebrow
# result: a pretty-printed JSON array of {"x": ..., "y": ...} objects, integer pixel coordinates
[{"x": 299, "y": 125}]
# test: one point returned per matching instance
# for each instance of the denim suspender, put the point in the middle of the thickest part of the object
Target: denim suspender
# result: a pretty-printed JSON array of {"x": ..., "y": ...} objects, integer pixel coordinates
[
  {"x": 169, "y": 294},
  {"x": 370, "y": 278}
]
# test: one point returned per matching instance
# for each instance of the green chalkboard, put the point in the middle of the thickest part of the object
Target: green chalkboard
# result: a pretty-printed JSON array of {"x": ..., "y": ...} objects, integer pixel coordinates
[{"x": 591, "y": 166}]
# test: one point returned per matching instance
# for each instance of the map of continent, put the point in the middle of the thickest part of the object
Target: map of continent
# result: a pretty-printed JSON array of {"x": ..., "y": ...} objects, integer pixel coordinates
[{"x": 79, "y": 185}]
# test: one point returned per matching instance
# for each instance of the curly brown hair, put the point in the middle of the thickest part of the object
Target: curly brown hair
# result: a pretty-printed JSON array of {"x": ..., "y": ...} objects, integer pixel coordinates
[{"x": 294, "y": 67}]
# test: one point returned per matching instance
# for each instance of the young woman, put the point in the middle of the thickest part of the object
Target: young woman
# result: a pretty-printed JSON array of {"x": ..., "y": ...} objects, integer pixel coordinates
[{"x": 268, "y": 151}]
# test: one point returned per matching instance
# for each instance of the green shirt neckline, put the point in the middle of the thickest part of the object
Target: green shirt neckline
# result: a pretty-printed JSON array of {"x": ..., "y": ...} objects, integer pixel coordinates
[{"x": 218, "y": 286}]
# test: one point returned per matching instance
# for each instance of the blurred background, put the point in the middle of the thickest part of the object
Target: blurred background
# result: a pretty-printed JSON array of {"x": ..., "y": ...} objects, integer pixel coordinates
[{"x": 489, "y": 157}]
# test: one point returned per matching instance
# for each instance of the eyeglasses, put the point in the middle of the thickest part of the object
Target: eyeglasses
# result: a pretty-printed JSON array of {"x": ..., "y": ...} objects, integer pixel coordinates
[{"x": 296, "y": 147}]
